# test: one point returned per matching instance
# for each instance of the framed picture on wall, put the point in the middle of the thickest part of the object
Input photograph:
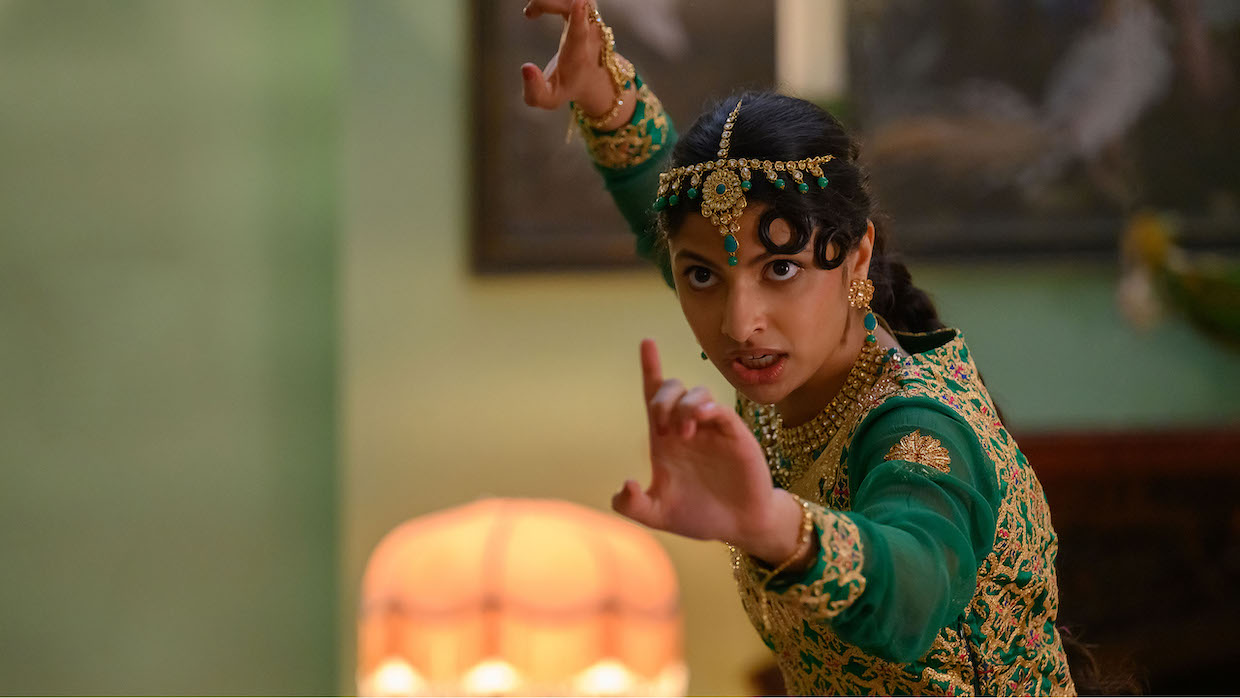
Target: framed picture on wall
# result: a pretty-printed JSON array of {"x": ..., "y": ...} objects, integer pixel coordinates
[
  {"x": 538, "y": 204},
  {"x": 1032, "y": 128}
]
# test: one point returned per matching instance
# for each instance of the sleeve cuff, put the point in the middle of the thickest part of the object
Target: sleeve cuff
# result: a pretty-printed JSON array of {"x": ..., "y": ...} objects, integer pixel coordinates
[
  {"x": 831, "y": 584},
  {"x": 635, "y": 143}
]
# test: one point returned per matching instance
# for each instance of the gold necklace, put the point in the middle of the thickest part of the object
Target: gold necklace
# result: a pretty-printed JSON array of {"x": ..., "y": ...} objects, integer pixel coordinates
[{"x": 791, "y": 451}]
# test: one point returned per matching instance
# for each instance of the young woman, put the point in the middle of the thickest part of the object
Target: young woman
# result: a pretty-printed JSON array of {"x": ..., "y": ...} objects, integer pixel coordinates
[{"x": 888, "y": 535}]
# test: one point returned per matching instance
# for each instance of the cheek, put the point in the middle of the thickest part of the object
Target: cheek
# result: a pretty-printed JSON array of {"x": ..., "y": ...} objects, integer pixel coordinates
[
  {"x": 820, "y": 315},
  {"x": 700, "y": 313}
]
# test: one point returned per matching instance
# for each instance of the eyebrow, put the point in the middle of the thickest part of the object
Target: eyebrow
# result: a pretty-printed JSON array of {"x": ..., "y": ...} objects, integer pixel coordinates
[{"x": 766, "y": 254}]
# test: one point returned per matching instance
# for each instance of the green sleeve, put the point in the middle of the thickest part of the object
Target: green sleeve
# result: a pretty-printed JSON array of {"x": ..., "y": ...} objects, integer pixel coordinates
[
  {"x": 902, "y": 565},
  {"x": 630, "y": 160}
]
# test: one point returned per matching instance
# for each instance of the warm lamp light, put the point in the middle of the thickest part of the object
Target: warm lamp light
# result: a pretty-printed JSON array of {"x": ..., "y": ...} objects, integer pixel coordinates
[
  {"x": 395, "y": 677},
  {"x": 520, "y": 597}
]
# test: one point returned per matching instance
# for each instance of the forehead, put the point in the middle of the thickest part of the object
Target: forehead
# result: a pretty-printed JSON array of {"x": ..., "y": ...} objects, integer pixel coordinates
[{"x": 698, "y": 235}]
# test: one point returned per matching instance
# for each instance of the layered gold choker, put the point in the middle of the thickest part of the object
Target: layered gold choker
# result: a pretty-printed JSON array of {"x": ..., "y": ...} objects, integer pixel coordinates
[{"x": 791, "y": 451}]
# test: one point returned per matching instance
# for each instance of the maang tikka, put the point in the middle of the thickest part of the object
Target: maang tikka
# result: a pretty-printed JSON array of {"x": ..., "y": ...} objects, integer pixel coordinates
[{"x": 727, "y": 180}]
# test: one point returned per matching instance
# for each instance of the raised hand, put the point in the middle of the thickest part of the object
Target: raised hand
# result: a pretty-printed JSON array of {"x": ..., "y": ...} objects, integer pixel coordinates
[
  {"x": 709, "y": 479},
  {"x": 574, "y": 72}
]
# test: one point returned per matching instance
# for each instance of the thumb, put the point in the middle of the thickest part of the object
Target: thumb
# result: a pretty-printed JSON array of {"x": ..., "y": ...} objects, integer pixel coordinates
[
  {"x": 635, "y": 504},
  {"x": 535, "y": 88}
]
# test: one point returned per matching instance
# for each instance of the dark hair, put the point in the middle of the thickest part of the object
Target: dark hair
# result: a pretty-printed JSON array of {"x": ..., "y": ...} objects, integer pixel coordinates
[
  {"x": 1120, "y": 678},
  {"x": 776, "y": 127}
]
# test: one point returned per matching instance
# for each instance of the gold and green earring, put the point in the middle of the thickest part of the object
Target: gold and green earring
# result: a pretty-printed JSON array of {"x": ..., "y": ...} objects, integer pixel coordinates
[{"x": 860, "y": 292}]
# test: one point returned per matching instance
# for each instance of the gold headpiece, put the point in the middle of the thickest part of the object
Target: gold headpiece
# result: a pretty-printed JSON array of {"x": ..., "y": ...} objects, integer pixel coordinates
[{"x": 727, "y": 180}]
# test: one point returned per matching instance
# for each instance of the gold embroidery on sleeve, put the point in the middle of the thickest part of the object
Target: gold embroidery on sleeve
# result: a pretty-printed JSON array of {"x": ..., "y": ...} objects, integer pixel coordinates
[
  {"x": 924, "y": 449},
  {"x": 631, "y": 144},
  {"x": 841, "y": 582},
  {"x": 828, "y": 595},
  {"x": 1005, "y": 644}
]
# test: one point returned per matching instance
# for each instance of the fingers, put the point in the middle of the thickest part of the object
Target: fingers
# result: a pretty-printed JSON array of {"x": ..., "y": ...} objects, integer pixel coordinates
[
  {"x": 538, "y": 8},
  {"x": 535, "y": 88},
  {"x": 652, "y": 372},
  {"x": 671, "y": 408},
  {"x": 720, "y": 417},
  {"x": 663, "y": 404},
  {"x": 674, "y": 410},
  {"x": 632, "y": 502},
  {"x": 578, "y": 25},
  {"x": 684, "y": 420}
]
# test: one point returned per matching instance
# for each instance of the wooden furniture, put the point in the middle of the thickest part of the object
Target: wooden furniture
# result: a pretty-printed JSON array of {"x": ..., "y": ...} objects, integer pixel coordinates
[
  {"x": 1149, "y": 552},
  {"x": 1149, "y": 549}
]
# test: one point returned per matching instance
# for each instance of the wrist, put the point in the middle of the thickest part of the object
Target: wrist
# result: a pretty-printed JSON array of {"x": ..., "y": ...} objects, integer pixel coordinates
[
  {"x": 598, "y": 95},
  {"x": 776, "y": 536},
  {"x": 605, "y": 103}
]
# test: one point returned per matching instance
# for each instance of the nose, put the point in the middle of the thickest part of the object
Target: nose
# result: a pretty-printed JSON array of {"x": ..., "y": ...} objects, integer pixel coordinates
[{"x": 744, "y": 314}]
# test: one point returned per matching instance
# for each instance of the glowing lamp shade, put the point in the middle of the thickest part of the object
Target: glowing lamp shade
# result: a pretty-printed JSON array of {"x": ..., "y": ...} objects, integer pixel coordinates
[{"x": 520, "y": 597}]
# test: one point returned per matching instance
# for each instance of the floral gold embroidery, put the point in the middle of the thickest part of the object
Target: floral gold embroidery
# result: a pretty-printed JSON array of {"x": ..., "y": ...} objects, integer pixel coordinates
[
  {"x": 635, "y": 142},
  {"x": 1006, "y": 643},
  {"x": 925, "y": 449}
]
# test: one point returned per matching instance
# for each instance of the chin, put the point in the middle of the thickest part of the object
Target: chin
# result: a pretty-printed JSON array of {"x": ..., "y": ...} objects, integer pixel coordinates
[{"x": 762, "y": 394}]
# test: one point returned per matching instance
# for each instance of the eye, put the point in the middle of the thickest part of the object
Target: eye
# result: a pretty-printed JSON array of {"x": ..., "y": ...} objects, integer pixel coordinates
[
  {"x": 782, "y": 270},
  {"x": 700, "y": 277}
]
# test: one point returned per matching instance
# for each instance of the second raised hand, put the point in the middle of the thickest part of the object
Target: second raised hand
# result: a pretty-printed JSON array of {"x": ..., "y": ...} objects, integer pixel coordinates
[
  {"x": 574, "y": 73},
  {"x": 709, "y": 478}
]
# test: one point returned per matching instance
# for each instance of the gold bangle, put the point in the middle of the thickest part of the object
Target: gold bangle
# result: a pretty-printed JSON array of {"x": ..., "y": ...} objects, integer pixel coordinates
[
  {"x": 804, "y": 541},
  {"x": 622, "y": 75}
]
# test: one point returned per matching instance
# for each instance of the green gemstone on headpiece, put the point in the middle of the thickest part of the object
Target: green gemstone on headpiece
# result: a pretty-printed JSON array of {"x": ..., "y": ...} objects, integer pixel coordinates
[
  {"x": 703, "y": 356},
  {"x": 870, "y": 322},
  {"x": 871, "y": 339},
  {"x": 822, "y": 182},
  {"x": 673, "y": 200},
  {"x": 660, "y": 203},
  {"x": 802, "y": 187},
  {"x": 746, "y": 185},
  {"x": 692, "y": 193},
  {"x": 779, "y": 183},
  {"x": 721, "y": 188},
  {"x": 730, "y": 244},
  {"x": 732, "y": 261}
]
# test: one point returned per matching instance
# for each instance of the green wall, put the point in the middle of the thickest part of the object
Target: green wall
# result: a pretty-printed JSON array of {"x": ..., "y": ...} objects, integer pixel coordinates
[
  {"x": 168, "y": 199},
  {"x": 189, "y": 189},
  {"x": 1057, "y": 354},
  {"x": 457, "y": 386}
]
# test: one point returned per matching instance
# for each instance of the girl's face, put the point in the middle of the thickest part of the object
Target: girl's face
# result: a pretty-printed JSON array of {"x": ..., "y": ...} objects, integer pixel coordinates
[{"x": 778, "y": 328}]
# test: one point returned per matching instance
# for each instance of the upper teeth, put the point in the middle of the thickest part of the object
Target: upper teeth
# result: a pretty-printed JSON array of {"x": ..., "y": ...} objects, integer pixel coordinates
[{"x": 759, "y": 361}]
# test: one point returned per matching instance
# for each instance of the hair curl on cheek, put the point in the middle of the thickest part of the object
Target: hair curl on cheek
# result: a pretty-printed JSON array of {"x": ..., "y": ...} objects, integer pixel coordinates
[{"x": 804, "y": 231}]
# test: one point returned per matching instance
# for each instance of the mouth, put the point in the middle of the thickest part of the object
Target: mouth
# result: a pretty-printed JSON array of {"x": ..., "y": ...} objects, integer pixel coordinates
[{"x": 756, "y": 369}]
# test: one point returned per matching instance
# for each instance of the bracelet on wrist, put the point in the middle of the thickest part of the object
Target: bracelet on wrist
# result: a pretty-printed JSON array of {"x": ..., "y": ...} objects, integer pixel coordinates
[
  {"x": 805, "y": 540},
  {"x": 621, "y": 71}
]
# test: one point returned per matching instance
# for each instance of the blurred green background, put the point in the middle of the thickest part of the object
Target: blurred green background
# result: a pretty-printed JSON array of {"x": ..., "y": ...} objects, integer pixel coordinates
[{"x": 240, "y": 341}]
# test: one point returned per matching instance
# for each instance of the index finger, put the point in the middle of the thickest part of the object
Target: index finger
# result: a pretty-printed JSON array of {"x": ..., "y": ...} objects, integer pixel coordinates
[
  {"x": 652, "y": 372},
  {"x": 537, "y": 8}
]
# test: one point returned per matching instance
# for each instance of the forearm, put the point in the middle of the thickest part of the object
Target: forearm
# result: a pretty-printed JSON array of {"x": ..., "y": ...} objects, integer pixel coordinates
[
  {"x": 600, "y": 95},
  {"x": 776, "y": 537},
  {"x": 629, "y": 159}
]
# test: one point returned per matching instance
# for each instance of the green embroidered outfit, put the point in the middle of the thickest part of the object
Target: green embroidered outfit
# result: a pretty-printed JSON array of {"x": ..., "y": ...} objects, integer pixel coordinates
[{"x": 936, "y": 566}]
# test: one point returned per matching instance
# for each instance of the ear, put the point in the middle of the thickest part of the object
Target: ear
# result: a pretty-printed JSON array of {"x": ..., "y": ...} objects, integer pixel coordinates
[{"x": 861, "y": 255}]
